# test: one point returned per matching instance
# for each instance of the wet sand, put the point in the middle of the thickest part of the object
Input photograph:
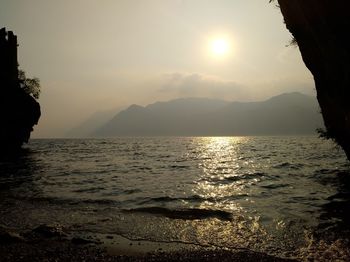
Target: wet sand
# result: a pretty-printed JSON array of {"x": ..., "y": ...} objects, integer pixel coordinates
[{"x": 47, "y": 243}]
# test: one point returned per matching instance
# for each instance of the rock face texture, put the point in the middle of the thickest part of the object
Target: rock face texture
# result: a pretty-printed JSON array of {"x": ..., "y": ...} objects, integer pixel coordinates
[
  {"x": 19, "y": 111},
  {"x": 321, "y": 30}
]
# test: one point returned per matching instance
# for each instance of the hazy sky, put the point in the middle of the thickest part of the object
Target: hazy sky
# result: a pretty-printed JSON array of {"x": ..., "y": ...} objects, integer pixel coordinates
[{"x": 94, "y": 55}]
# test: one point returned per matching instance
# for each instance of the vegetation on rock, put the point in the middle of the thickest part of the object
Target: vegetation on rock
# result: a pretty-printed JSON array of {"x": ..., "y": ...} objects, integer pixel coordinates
[{"x": 30, "y": 85}]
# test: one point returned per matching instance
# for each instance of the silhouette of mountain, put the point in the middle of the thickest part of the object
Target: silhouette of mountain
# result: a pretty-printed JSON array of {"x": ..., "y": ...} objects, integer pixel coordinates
[{"x": 286, "y": 114}]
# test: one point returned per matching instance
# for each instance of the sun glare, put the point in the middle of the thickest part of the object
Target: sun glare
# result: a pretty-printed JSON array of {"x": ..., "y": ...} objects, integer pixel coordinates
[{"x": 219, "y": 47}]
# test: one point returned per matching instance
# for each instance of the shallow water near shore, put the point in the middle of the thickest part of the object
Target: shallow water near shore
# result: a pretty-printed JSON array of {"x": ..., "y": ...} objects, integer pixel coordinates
[{"x": 284, "y": 196}]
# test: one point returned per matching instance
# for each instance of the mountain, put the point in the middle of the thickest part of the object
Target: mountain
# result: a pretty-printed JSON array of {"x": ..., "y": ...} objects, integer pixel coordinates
[
  {"x": 286, "y": 114},
  {"x": 88, "y": 126}
]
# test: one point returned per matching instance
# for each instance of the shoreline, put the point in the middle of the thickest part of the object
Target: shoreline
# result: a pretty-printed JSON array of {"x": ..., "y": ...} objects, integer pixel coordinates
[{"x": 46, "y": 243}]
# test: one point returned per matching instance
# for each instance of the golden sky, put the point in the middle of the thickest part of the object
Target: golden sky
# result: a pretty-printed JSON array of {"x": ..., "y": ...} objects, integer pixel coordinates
[{"x": 95, "y": 55}]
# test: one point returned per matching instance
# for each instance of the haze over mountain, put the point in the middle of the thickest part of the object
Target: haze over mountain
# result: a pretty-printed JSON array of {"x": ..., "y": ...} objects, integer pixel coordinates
[
  {"x": 89, "y": 125},
  {"x": 121, "y": 52},
  {"x": 285, "y": 114}
]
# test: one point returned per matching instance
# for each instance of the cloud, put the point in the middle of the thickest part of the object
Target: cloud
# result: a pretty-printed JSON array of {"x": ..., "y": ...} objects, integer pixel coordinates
[{"x": 200, "y": 85}]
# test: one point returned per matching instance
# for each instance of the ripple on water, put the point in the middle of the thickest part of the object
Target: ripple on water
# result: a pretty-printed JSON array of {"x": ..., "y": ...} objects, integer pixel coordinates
[{"x": 261, "y": 193}]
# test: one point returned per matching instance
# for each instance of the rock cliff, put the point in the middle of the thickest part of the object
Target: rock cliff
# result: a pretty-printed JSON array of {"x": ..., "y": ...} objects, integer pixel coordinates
[
  {"x": 321, "y": 28},
  {"x": 19, "y": 111}
]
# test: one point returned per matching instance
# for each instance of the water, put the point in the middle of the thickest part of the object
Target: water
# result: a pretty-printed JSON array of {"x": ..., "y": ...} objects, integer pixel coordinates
[{"x": 286, "y": 196}]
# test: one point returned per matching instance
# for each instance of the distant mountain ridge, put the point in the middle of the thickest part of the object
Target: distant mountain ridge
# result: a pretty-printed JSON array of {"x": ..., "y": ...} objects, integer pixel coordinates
[
  {"x": 285, "y": 114},
  {"x": 89, "y": 125}
]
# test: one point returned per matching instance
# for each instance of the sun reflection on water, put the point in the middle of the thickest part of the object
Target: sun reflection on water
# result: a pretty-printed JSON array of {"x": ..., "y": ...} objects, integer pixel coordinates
[
  {"x": 225, "y": 183},
  {"x": 220, "y": 180}
]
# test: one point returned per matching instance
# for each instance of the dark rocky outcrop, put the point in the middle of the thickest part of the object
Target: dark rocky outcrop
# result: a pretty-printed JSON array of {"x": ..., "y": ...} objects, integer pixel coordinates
[
  {"x": 19, "y": 111},
  {"x": 321, "y": 30}
]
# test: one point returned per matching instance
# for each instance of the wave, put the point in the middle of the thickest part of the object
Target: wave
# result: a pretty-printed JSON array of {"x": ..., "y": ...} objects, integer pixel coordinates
[
  {"x": 185, "y": 214},
  {"x": 275, "y": 186},
  {"x": 168, "y": 199},
  {"x": 194, "y": 199},
  {"x": 247, "y": 176},
  {"x": 289, "y": 165}
]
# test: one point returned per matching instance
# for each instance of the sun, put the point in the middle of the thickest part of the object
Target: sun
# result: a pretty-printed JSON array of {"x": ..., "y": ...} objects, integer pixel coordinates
[{"x": 219, "y": 47}]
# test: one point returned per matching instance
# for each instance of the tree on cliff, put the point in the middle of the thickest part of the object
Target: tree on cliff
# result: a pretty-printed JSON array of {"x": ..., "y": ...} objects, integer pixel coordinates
[
  {"x": 320, "y": 29},
  {"x": 30, "y": 85}
]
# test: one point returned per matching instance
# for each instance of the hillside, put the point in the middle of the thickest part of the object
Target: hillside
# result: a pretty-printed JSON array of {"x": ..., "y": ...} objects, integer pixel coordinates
[{"x": 286, "y": 114}]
